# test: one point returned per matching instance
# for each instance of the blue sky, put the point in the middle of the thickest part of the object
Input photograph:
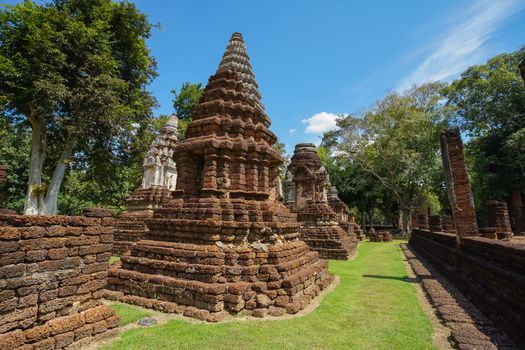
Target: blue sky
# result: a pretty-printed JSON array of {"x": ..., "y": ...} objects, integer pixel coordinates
[{"x": 316, "y": 59}]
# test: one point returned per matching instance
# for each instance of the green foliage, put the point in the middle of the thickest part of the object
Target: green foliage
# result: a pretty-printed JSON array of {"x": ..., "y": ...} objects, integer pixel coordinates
[
  {"x": 186, "y": 100},
  {"x": 396, "y": 144},
  {"x": 375, "y": 304},
  {"x": 14, "y": 153},
  {"x": 78, "y": 69},
  {"x": 489, "y": 104}
]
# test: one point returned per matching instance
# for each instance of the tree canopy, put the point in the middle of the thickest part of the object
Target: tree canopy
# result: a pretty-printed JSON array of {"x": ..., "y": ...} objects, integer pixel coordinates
[
  {"x": 77, "y": 71},
  {"x": 489, "y": 105},
  {"x": 396, "y": 143}
]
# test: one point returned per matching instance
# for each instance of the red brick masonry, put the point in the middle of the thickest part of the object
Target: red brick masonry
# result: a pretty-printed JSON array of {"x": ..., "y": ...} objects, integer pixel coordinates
[{"x": 52, "y": 271}]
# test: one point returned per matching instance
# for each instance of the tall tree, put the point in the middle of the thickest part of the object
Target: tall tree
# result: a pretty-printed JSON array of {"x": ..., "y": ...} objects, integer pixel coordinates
[
  {"x": 396, "y": 142},
  {"x": 489, "y": 103},
  {"x": 77, "y": 70}
]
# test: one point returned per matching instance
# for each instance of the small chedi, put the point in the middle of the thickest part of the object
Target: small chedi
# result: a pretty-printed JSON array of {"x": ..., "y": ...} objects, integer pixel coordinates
[
  {"x": 344, "y": 216},
  {"x": 224, "y": 243},
  {"x": 320, "y": 228},
  {"x": 159, "y": 180}
]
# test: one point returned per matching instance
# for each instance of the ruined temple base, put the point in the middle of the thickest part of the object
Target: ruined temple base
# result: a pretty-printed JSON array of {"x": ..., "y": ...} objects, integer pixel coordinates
[
  {"x": 381, "y": 236},
  {"x": 131, "y": 225},
  {"x": 331, "y": 242},
  {"x": 209, "y": 282},
  {"x": 67, "y": 332}
]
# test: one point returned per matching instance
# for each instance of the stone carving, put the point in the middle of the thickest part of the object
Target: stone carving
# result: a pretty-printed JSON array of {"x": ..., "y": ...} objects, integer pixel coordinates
[
  {"x": 159, "y": 180},
  {"x": 224, "y": 243},
  {"x": 320, "y": 228}
]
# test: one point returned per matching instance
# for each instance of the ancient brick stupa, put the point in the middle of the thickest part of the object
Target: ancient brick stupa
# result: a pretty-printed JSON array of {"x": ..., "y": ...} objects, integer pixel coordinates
[
  {"x": 224, "y": 243},
  {"x": 158, "y": 181},
  {"x": 320, "y": 228},
  {"x": 344, "y": 216}
]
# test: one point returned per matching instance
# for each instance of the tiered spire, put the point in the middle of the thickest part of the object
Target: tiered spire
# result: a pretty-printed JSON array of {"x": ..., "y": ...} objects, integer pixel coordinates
[{"x": 237, "y": 60}]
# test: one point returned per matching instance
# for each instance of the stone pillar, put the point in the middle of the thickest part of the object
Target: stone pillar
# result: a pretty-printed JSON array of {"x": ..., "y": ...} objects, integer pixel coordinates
[
  {"x": 458, "y": 184},
  {"x": 448, "y": 225},
  {"x": 434, "y": 222},
  {"x": 413, "y": 220},
  {"x": 498, "y": 218},
  {"x": 422, "y": 220}
]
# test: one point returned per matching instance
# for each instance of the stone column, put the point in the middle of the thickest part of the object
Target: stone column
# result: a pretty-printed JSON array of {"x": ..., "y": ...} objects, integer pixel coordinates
[
  {"x": 458, "y": 184},
  {"x": 448, "y": 225},
  {"x": 413, "y": 220},
  {"x": 498, "y": 218},
  {"x": 422, "y": 220},
  {"x": 434, "y": 222}
]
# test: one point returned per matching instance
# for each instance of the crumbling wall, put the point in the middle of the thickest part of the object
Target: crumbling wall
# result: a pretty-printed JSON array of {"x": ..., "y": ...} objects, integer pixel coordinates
[
  {"x": 490, "y": 273},
  {"x": 52, "y": 271},
  {"x": 458, "y": 183}
]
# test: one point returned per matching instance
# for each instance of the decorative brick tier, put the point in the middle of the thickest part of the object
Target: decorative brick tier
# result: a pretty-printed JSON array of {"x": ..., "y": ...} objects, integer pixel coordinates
[
  {"x": 52, "y": 271},
  {"x": 223, "y": 243},
  {"x": 321, "y": 226},
  {"x": 131, "y": 225}
]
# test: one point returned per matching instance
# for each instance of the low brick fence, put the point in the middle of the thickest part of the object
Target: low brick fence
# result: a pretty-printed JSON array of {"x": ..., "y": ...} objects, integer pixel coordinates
[
  {"x": 490, "y": 273},
  {"x": 52, "y": 272}
]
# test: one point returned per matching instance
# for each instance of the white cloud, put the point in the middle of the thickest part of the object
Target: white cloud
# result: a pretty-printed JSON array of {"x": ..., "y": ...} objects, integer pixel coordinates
[
  {"x": 465, "y": 44},
  {"x": 320, "y": 122},
  {"x": 292, "y": 131}
]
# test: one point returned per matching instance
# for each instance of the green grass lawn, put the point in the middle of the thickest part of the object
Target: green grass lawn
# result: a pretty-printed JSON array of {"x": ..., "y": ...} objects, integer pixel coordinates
[
  {"x": 129, "y": 314},
  {"x": 114, "y": 259},
  {"x": 374, "y": 307}
]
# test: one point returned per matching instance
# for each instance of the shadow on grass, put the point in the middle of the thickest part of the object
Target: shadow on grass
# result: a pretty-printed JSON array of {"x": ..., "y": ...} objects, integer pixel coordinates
[{"x": 403, "y": 279}]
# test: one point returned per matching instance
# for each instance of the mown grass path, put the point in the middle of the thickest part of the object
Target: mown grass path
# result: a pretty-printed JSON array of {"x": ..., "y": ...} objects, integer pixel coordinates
[{"x": 374, "y": 307}]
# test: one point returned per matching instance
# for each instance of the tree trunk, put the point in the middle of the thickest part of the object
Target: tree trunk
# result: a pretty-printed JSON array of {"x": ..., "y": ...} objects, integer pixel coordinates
[
  {"x": 50, "y": 204},
  {"x": 404, "y": 217},
  {"x": 39, "y": 200},
  {"x": 35, "y": 193}
]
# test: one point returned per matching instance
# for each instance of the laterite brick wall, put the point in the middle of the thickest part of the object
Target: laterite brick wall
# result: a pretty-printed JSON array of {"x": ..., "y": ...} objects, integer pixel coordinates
[
  {"x": 489, "y": 272},
  {"x": 52, "y": 271}
]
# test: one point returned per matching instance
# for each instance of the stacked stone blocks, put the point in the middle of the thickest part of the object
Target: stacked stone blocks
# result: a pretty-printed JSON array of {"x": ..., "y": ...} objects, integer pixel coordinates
[{"x": 52, "y": 271}]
